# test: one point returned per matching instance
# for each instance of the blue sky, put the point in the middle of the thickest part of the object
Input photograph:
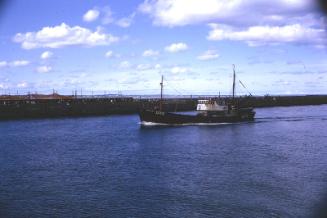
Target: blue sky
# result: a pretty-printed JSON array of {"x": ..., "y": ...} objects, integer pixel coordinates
[{"x": 278, "y": 47}]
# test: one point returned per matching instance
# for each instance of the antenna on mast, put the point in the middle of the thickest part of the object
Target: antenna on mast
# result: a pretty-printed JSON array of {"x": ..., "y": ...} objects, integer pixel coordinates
[
  {"x": 161, "y": 85},
  {"x": 233, "y": 81}
]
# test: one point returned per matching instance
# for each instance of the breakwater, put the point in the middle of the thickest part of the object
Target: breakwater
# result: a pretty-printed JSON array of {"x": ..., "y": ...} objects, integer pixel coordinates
[{"x": 58, "y": 106}]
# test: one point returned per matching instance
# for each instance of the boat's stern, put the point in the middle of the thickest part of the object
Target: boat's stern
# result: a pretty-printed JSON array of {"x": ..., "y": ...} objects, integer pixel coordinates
[{"x": 247, "y": 113}]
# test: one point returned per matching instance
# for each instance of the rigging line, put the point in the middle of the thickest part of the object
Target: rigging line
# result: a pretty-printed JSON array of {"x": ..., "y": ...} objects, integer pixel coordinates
[
  {"x": 175, "y": 90},
  {"x": 165, "y": 79},
  {"x": 305, "y": 68},
  {"x": 171, "y": 86},
  {"x": 245, "y": 87}
]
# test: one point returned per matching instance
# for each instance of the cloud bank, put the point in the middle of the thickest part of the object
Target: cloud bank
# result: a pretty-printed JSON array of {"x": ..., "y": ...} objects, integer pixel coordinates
[
  {"x": 184, "y": 12},
  {"x": 256, "y": 22},
  {"x": 262, "y": 35}
]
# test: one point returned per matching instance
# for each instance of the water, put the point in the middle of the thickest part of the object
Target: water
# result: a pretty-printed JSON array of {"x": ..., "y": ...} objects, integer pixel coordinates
[{"x": 111, "y": 167}]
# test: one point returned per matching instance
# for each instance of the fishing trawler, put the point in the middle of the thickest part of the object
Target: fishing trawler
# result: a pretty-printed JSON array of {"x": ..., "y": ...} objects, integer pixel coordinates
[{"x": 209, "y": 111}]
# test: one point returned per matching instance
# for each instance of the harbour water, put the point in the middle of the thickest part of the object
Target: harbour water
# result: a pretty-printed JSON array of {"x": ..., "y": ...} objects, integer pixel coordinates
[{"x": 109, "y": 166}]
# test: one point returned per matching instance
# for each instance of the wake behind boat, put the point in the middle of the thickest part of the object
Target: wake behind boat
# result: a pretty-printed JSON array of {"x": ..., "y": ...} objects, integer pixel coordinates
[{"x": 209, "y": 111}]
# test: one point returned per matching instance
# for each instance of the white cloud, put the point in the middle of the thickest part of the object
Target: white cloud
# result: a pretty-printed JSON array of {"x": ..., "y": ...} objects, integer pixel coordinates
[
  {"x": 3, "y": 63},
  {"x": 177, "y": 70},
  {"x": 126, "y": 21},
  {"x": 107, "y": 18},
  {"x": 262, "y": 35},
  {"x": 176, "y": 47},
  {"x": 109, "y": 54},
  {"x": 143, "y": 67},
  {"x": 19, "y": 63},
  {"x": 184, "y": 12},
  {"x": 63, "y": 35},
  {"x": 22, "y": 85},
  {"x": 124, "y": 64},
  {"x": 107, "y": 15},
  {"x": 46, "y": 55},
  {"x": 208, "y": 55},
  {"x": 43, "y": 69},
  {"x": 16, "y": 63},
  {"x": 150, "y": 53},
  {"x": 91, "y": 15}
]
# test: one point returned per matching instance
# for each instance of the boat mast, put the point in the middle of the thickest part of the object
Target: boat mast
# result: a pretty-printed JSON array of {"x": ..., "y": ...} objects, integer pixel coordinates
[
  {"x": 233, "y": 81},
  {"x": 161, "y": 85}
]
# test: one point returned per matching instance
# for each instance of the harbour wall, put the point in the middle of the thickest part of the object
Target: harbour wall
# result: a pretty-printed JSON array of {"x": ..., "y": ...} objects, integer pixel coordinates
[
  {"x": 42, "y": 108},
  {"x": 58, "y": 106}
]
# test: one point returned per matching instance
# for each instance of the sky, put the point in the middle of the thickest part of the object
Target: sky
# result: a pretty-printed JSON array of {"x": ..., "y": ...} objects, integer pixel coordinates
[{"x": 119, "y": 46}]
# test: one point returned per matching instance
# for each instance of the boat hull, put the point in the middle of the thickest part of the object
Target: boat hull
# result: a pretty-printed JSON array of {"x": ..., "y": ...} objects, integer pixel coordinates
[{"x": 161, "y": 117}]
